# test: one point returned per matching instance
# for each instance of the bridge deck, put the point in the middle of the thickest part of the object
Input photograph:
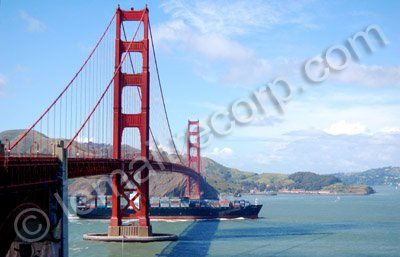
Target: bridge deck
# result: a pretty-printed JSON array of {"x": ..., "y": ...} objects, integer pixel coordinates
[{"x": 27, "y": 171}]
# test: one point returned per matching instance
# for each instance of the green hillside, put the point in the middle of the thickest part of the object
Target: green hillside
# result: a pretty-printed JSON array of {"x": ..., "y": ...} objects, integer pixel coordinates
[
  {"x": 231, "y": 180},
  {"x": 310, "y": 181},
  {"x": 373, "y": 177}
]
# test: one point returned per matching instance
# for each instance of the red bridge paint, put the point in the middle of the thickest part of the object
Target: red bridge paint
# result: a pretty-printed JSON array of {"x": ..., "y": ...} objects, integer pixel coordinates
[
  {"x": 193, "y": 159},
  {"x": 20, "y": 168},
  {"x": 140, "y": 121}
]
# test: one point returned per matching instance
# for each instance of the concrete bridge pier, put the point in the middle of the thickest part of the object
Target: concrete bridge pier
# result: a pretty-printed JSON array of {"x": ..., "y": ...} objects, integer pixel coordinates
[
  {"x": 62, "y": 154},
  {"x": 31, "y": 193}
]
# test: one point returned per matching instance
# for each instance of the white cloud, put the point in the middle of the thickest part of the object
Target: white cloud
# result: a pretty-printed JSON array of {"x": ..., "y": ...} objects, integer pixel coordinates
[
  {"x": 83, "y": 139},
  {"x": 240, "y": 64},
  {"x": 221, "y": 48},
  {"x": 207, "y": 29},
  {"x": 369, "y": 130},
  {"x": 165, "y": 148},
  {"x": 211, "y": 45},
  {"x": 325, "y": 153},
  {"x": 3, "y": 80},
  {"x": 266, "y": 120},
  {"x": 222, "y": 153},
  {"x": 212, "y": 30},
  {"x": 391, "y": 130},
  {"x": 346, "y": 128},
  {"x": 369, "y": 75},
  {"x": 211, "y": 106},
  {"x": 315, "y": 150},
  {"x": 32, "y": 24},
  {"x": 236, "y": 17}
]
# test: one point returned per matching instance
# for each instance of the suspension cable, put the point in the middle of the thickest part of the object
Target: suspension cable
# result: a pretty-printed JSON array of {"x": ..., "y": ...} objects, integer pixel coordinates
[
  {"x": 162, "y": 96},
  {"x": 140, "y": 96},
  {"x": 108, "y": 86},
  {"x": 65, "y": 89}
]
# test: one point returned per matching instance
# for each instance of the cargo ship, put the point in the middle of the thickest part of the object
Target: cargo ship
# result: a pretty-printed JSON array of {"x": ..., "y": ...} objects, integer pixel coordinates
[{"x": 172, "y": 208}]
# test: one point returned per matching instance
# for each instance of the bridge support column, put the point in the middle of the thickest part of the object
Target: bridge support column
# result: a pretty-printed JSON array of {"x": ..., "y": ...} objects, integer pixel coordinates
[
  {"x": 193, "y": 158},
  {"x": 2, "y": 150},
  {"x": 2, "y": 154},
  {"x": 188, "y": 185},
  {"x": 123, "y": 190},
  {"x": 116, "y": 201},
  {"x": 62, "y": 154}
]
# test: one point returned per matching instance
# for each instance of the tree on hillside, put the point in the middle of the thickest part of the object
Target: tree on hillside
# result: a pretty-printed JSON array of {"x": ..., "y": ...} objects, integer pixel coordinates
[{"x": 312, "y": 181}]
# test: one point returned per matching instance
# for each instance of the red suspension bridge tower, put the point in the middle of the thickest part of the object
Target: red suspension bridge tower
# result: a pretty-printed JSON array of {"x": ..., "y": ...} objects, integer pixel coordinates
[
  {"x": 139, "y": 188},
  {"x": 193, "y": 157},
  {"x": 83, "y": 110}
]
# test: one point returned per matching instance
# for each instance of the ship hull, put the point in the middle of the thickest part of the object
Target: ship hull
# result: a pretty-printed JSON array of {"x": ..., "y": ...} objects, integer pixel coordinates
[{"x": 180, "y": 213}]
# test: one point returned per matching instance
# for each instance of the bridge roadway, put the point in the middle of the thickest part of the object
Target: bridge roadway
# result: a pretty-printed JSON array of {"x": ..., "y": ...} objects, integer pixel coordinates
[{"x": 28, "y": 171}]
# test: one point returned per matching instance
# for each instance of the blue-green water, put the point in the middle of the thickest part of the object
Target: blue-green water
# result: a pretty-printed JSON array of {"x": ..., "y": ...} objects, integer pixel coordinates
[{"x": 291, "y": 225}]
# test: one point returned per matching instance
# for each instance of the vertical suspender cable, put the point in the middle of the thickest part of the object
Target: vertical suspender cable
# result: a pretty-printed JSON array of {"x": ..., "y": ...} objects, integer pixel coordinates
[{"x": 162, "y": 96}]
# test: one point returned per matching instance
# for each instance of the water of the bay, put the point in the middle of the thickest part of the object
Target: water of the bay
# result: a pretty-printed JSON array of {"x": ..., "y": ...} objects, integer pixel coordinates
[{"x": 290, "y": 225}]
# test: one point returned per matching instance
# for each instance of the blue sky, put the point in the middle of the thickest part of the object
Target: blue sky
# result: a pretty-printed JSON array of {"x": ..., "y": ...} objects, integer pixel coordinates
[{"x": 214, "y": 52}]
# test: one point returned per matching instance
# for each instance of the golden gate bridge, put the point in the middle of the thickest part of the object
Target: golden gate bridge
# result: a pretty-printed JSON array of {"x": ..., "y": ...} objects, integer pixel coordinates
[{"x": 111, "y": 116}]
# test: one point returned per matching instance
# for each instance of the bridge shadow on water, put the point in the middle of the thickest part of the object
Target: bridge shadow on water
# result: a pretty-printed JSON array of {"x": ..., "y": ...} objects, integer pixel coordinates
[
  {"x": 250, "y": 238},
  {"x": 266, "y": 231},
  {"x": 266, "y": 237},
  {"x": 195, "y": 240}
]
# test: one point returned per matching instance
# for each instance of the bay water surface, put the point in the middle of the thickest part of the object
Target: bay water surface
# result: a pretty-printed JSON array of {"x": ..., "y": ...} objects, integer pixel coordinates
[{"x": 289, "y": 225}]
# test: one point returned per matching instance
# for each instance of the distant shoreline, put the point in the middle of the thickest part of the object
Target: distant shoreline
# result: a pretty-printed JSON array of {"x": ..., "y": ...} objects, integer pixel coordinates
[
  {"x": 349, "y": 190},
  {"x": 321, "y": 193}
]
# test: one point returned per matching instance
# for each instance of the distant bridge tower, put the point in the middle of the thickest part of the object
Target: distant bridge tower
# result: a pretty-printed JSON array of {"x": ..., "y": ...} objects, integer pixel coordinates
[
  {"x": 124, "y": 120},
  {"x": 193, "y": 157}
]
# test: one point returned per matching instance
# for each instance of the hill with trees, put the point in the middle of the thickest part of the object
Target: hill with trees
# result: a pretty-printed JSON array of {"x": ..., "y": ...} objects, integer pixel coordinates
[
  {"x": 373, "y": 177},
  {"x": 310, "y": 181},
  {"x": 219, "y": 178}
]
